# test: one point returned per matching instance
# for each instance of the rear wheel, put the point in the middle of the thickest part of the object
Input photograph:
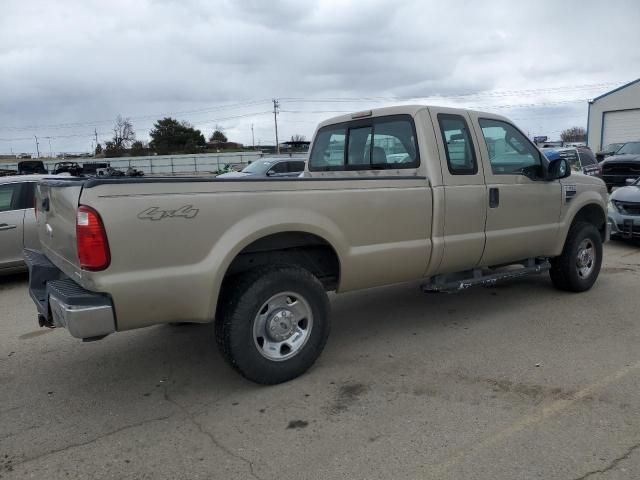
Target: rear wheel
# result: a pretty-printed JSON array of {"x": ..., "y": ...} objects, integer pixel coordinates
[
  {"x": 273, "y": 323},
  {"x": 577, "y": 268}
]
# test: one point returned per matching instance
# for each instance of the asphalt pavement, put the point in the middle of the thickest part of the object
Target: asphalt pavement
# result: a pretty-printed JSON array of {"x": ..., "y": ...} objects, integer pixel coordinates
[{"x": 519, "y": 381}]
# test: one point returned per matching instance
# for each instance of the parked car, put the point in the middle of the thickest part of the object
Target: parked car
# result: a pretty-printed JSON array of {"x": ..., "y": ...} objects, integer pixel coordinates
[
  {"x": 471, "y": 200},
  {"x": 72, "y": 168},
  {"x": 17, "y": 220},
  {"x": 624, "y": 211},
  {"x": 608, "y": 150},
  {"x": 623, "y": 166},
  {"x": 271, "y": 167},
  {"x": 31, "y": 167},
  {"x": 581, "y": 159}
]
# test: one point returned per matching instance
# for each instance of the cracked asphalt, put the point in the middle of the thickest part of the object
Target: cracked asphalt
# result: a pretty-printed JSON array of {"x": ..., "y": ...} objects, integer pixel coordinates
[{"x": 519, "y": 381}]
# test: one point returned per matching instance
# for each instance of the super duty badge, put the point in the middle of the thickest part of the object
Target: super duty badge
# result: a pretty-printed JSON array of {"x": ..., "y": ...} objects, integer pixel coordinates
[{"x": 155, "y": 213}]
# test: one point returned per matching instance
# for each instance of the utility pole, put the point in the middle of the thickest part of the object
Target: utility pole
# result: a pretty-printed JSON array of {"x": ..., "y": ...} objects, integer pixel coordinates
[
  {"x": 276, "y": 105},
  {"x": 95, "y": 132},
  {"x": 37, "y": 146},
  {"x": 50, "y": 149},
  {"x": 253, "y": 139}
]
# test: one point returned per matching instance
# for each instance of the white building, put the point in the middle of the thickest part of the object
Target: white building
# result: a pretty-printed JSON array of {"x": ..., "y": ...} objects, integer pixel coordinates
[{"x": 614, "y": 117}]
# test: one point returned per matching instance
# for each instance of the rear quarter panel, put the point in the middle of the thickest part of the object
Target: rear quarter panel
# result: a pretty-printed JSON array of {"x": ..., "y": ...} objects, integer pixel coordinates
[{"x": 171, "y": 269}]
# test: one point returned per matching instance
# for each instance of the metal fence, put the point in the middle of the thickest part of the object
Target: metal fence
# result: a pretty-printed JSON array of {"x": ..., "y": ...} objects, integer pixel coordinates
[{"x": 199, "y": 164}]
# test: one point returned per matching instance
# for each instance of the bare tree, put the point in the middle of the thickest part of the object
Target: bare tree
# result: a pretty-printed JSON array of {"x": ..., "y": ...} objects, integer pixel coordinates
[
  {"x": 574, "y": 134},
  {"x": 298, "y": 138},
  {"x": 123, "y": 133}
]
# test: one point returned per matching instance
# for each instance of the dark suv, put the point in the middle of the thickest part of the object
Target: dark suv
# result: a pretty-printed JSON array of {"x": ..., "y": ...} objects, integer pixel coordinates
[{"x": 625, "y": 164}]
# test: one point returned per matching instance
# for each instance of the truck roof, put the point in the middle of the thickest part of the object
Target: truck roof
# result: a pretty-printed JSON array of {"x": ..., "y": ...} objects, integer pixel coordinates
[{"x": 395, "y": 110}]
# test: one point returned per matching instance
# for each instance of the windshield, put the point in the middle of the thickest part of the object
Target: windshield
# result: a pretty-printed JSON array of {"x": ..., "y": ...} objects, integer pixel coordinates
[
  {"x": 612, "y": 147},
  {"x": 259, "y": 167},
  {"x": 632, "y": 148}
]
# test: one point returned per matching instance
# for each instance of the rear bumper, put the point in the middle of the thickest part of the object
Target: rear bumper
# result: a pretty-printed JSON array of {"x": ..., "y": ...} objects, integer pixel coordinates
[{"x": 61, "y": 302}]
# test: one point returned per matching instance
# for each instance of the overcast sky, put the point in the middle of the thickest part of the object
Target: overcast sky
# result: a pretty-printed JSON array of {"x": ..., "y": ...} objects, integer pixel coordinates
[{"x": 69, "y": 67}]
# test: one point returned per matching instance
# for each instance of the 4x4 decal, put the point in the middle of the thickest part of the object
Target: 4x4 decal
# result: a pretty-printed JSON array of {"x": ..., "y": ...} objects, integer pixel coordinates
[{"x": 155, "y": 213}]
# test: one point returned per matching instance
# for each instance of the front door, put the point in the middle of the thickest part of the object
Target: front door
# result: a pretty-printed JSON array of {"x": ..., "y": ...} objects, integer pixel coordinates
[{"x": 523, "y": 209}]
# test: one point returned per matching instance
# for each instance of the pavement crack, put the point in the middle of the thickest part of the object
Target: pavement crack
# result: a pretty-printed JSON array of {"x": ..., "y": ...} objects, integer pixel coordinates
[
  {"x": 191, "y": 417},
  {"x": 612, "y": 464},
  {"x": 93, "y": 440}
]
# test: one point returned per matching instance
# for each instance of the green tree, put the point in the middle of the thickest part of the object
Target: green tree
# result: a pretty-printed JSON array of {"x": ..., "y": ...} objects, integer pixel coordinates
[
  {"x": 171, "y": 136},
  {"x": 98, "y": 150},
  {"x": 112, "y": 150},
  {"x": 218, "y": 136},
  {"x": 138, "y": 149}
]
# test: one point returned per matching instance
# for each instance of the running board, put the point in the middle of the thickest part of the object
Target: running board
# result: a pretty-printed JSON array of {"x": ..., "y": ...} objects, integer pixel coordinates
[{"x": 457, "y": 282}]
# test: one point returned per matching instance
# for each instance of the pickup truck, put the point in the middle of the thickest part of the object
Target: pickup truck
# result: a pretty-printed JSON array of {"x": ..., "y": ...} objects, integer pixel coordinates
[{"x": 452, "y": 197}]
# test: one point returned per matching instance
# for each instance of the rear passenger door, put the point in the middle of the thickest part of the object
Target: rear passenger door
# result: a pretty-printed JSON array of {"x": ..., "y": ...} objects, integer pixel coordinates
[{"x": 464, "y": 190}]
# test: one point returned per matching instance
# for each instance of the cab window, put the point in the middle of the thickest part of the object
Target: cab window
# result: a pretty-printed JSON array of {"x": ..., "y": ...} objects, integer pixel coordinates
[
  {"x": 458, "y": 146},
  {"x": 510, "y": 152},
  {"x": 375, "y": 143}
]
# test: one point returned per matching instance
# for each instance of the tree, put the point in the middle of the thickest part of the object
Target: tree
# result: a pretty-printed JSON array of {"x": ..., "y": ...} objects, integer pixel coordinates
[
  {"x": 298, "y": 138},
  {"x": 98, "y": 150},
  {"x": 112, "y": 150},
  {"x": 138, "y": 149},
  {"x": 218, "y": 136},
  {"x": 574, "y": 134},
  {"x": 123, "y": 133},
  {"x": 169, "y": 136}
]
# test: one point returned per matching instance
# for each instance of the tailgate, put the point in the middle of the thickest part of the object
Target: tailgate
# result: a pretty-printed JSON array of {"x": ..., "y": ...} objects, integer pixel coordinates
[{"x": 56, "y": 204}]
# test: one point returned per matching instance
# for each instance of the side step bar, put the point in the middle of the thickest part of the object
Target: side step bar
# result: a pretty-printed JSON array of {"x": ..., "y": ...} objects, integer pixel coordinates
[{"x": 457, "y": 282}]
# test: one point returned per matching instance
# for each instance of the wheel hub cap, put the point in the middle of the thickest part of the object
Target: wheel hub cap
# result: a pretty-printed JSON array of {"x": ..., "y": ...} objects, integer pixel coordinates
[
  {"x": 281, "y": 325},
  {"x": 585, "y": 259}
]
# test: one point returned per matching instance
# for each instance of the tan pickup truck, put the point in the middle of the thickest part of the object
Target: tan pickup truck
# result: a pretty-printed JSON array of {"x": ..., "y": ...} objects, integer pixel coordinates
[{"x": 453, "y": 197}]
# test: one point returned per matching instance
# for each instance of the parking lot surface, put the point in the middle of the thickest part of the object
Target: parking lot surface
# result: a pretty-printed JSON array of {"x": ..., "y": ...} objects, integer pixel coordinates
[{"x": 518, "y": 381}]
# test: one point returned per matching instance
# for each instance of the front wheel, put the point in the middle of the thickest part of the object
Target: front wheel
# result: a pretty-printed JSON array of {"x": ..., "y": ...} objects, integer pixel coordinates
[
  {"x": 273, "y": 323},
  {"x": 577, "y": 268}
]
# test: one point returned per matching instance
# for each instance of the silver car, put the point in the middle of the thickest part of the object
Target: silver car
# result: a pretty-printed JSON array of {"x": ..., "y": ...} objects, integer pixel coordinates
[
  {"x": 624, "y": 210},
  {"x": 17, "y": 220}
]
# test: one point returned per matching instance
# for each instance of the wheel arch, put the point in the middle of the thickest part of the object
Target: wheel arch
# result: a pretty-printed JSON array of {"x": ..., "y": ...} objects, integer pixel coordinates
[{"x": 253, "y": 242}]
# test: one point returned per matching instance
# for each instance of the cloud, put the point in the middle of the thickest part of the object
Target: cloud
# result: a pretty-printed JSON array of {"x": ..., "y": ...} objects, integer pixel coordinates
[{"x": 77, "y": 62}]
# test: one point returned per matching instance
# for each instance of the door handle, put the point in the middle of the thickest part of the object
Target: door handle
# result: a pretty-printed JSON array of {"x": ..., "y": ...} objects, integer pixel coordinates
[
  {"x": 6, "y": 226},
  {"x": 494, "y": 197}
]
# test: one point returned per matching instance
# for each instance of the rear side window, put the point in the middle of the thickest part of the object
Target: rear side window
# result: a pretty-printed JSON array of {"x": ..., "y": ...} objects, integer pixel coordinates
[
  {"x": 587, "y": 157},
  {"x": 328, "y": 149},
  {"x": 461, "y": 157},
  {"x": 296, "y": 166},
  {"x": 376, "y": 143}
]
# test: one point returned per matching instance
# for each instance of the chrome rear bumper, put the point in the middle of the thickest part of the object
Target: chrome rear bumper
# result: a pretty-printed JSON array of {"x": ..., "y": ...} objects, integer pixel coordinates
[{"x": 63, "y": 303}]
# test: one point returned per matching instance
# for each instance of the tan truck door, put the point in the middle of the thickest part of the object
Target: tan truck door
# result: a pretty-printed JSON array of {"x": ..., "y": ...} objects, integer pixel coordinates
[
  {"x": 464, "y": 190},
  {"x": 523, "y": 209}
]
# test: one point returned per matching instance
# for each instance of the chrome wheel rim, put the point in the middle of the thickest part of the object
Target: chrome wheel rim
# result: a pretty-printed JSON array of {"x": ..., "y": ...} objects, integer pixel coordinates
[
  {"x": 586, "y": 258},
  {"x": 282, "y": 326}
]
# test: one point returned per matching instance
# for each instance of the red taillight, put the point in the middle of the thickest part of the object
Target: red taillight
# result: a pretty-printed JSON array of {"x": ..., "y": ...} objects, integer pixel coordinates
[{"x": 91, "y": 238}]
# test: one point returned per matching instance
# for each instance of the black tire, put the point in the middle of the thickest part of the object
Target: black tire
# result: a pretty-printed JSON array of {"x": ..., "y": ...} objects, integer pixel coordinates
[
  {"x": 242, "y": 299},
  {"x": 565, "y": 273}
]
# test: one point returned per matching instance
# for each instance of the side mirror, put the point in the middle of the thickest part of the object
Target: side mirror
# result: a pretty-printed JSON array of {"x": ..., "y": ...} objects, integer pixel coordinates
[
  {"x": 558, "y": 168},
  {"x": 270, "y": 173}
]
